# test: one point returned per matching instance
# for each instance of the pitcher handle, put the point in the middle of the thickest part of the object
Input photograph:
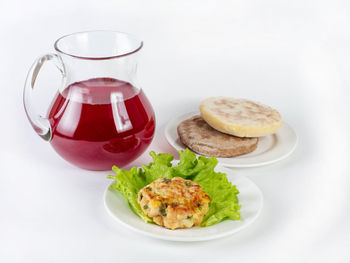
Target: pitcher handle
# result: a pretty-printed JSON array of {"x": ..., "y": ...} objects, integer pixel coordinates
[{"x": 40, "y": 124}]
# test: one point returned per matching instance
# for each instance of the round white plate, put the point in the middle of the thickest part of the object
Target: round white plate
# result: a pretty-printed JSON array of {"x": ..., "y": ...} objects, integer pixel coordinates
[
  {"x": 271, "y": 148},
  {"x": 250, "y": 198}
]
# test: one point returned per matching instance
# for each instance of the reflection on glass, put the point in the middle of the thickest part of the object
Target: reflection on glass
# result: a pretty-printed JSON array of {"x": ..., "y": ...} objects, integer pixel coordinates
[{"x": 120, "y": 114}]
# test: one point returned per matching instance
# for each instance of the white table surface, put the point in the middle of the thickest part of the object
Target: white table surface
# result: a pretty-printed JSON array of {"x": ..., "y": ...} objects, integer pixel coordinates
[{"x": 292, "y": 55}]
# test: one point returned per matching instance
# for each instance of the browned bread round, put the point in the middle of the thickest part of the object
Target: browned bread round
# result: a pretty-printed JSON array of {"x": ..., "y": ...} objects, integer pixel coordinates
[
  {"x": 197, "y": 135},
  {"x": 240, "y": 117}
]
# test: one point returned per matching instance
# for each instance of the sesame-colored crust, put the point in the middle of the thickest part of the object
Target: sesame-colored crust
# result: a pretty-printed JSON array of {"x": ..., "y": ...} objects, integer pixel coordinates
[{"x": 240, "y": 117}]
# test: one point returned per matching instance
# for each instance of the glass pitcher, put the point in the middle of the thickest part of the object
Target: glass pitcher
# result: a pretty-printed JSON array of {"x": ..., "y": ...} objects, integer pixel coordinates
[{"x": 99, "y": 117}]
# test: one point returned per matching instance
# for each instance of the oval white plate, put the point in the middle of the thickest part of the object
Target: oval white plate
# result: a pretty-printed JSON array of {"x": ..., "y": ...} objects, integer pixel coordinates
[
  {"x": 250, "y": 198},
  {"x": 271, "y": 148}
]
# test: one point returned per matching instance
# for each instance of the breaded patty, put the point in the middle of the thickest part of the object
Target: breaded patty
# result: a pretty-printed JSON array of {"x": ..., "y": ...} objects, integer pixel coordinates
[{"x": 174, "y": 203}]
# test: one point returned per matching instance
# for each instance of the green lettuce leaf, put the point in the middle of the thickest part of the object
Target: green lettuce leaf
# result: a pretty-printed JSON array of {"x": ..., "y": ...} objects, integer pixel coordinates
[
  {"x": 159, "y": 168},
  {"x": 189, "y": 166},
  {"x": 224, "y": 203},
  {"x": 129, "y": 183}
]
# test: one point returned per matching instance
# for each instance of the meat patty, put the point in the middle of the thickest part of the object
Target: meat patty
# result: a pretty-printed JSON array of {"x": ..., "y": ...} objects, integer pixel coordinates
[
  {"x": 174, "y": 203},
  {"x": 201, "y": 138}
]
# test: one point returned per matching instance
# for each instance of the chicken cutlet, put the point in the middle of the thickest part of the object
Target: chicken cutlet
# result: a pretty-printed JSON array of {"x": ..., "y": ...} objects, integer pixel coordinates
[{"x": 174, "y": 203}]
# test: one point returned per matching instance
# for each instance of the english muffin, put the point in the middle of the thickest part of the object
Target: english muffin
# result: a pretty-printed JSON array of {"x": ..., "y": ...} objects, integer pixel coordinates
[
  {"x": 240, "y": 117},
  {"x": 201, "y": 138}
]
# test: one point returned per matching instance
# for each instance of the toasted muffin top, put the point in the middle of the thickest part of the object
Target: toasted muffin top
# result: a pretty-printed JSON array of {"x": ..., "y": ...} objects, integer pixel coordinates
[{"x": 240, "y": 117}]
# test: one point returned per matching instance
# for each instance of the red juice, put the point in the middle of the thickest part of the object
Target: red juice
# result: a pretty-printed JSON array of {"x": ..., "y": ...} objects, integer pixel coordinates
[{"x": 101, "y": 122}]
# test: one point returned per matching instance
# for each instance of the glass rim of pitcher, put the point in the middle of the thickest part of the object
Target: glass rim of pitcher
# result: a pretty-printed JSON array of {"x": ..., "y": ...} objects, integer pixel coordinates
[{"x": 118, "y": 55}]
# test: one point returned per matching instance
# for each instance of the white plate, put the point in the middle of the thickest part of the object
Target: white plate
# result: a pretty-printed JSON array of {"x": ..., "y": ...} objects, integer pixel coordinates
[
  {"x": 271, "y": 148},
  {"x": 250, "y": 198}
]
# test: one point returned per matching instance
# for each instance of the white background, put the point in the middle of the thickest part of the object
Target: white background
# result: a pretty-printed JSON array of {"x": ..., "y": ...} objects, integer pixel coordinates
[{"x": 292, "y": 55}]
